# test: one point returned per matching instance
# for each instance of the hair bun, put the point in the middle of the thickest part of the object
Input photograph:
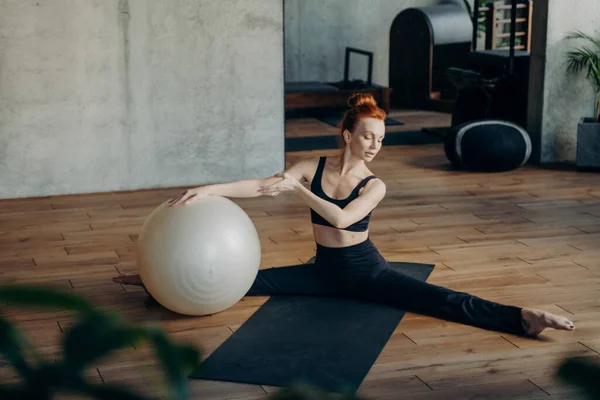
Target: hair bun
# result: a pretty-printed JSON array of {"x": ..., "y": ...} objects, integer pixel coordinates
[{"x": 362, "y": 99}]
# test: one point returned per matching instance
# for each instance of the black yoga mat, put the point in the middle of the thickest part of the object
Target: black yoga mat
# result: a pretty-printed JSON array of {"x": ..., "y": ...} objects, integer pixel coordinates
[
  {"x": 329, "y": 115},
  {"x": 309, "y": 86},
  {"x": 326, "y": 342}
]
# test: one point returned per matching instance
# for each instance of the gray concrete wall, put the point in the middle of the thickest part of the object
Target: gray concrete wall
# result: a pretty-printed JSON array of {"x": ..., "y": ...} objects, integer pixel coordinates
[
  {"x": 317, "y": 33},
  {"x": 105, "y": 95},
  {"x": 558, "y": 99}
]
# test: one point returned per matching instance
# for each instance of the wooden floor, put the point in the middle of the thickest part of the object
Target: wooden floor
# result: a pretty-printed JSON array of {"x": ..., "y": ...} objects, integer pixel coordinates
[{"x": 529, "y": 237}]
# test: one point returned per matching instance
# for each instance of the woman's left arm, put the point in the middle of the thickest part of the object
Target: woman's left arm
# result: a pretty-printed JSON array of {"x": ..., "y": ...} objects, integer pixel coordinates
[{"x": 336, "y": 216}]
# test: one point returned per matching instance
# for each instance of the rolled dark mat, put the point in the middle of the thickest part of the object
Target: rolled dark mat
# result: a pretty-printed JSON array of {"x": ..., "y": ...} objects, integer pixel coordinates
[
  {"x": 406, "y": 138},
  {"x": 333, "y": 117}
]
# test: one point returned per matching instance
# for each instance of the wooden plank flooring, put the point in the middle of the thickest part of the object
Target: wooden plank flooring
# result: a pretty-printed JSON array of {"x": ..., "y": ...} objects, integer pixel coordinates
[{"x": 530, "y": 237}]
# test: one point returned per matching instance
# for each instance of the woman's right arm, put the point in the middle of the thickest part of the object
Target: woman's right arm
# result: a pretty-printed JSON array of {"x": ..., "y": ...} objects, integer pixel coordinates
[{"x": 240, "y": 189}]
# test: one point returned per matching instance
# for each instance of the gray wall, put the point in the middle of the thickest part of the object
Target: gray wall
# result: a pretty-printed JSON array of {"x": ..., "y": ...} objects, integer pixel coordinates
[
  {"x": 105, "y": 95},
  {"x": 318, "y": 31},
  {"x": 558, "y": 99}
]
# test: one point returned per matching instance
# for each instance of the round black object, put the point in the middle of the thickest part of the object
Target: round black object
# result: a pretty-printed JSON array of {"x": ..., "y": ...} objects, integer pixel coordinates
[{"x": 490, "y": 145}]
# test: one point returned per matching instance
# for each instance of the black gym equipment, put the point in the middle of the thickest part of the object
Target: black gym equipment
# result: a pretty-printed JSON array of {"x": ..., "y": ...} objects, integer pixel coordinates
[
  {"x": 424, "y": 43},
  {"x": 305, "y": 95},
  {"x": 495, "y": 84},
  {"x": 435, "y": 64}
]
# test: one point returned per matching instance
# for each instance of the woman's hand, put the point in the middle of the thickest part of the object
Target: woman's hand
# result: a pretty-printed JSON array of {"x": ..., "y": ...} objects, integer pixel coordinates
[
  {"x": 286, "y": 184},
  {"x": 188, "y": 196}
]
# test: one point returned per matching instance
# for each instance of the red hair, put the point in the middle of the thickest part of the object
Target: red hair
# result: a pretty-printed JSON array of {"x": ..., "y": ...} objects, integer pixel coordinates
[{"x": 362, "y": 105}]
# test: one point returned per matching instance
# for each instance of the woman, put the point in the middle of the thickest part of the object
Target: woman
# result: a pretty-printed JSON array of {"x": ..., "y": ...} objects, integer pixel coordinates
[{"x": 343, "y": 193}]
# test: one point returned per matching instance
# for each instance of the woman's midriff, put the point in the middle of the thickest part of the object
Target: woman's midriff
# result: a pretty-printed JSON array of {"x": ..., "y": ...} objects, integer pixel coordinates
[{"x": 333, "y": 237}]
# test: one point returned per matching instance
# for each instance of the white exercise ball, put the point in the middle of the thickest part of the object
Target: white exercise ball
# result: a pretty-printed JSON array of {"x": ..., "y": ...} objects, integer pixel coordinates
[{"x": 198, "y": 258}]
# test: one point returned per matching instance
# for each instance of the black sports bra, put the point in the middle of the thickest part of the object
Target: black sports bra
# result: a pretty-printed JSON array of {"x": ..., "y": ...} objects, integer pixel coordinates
[{"x": 317, "y": 189}]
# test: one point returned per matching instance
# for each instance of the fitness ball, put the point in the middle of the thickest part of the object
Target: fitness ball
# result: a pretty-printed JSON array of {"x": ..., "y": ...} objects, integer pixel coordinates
[{"x": 198, "y": 258}]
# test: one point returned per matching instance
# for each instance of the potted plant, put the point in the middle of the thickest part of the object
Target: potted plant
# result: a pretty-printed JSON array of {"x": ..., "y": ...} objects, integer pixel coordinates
[{"x": 586, "y": 58}]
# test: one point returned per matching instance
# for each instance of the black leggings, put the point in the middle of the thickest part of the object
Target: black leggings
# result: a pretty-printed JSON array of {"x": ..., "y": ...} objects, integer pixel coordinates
[{"x": 360, "y": 272}]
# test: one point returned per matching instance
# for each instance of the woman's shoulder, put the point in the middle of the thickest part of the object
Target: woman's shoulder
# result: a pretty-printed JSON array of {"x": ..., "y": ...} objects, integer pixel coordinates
[
  {"x": 306, "y": 162},
  {"x": 372, "y": 180},
  {"x": 303, "y": 168},
  {"x": 374, "y": 187}
]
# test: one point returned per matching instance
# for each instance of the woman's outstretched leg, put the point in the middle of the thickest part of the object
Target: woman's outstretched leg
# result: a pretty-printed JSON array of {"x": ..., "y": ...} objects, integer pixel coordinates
[
  {"x": 537, "y": 321},
  {"x": 303, "y": 279},
  {"x": 402, "y": 291}
]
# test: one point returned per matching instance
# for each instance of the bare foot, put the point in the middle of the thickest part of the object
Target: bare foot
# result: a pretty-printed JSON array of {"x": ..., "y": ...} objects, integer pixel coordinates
[
  {"x": 135, "y": 280},
  {"x": 536, "y": 321}
]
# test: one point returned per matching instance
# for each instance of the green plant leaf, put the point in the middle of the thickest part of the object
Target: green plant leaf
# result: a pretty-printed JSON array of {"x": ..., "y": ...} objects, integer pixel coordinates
[
  {"x": 586, "y": 58},
  {"x": 19, "y": 393},
  {"x": 95, "y": 337},
  {"x": 177, "y": 360},
  {"x": 92, "y": 337},
  {"x": 44, "y": 381},
  {"x": 582, "y": 373},
  {"x": 583, "y": 36},
  {"x": 12, "y": 346},
  {"x": 108, "y": 392},
  {"x": 580, "y": 58},
  {"x": 26, "y": 295},
  {"x": 51, "y": 379}
]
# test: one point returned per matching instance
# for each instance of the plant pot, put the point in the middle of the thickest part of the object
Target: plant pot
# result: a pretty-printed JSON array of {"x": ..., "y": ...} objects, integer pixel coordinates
[{"x": 588, "y": 143}]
